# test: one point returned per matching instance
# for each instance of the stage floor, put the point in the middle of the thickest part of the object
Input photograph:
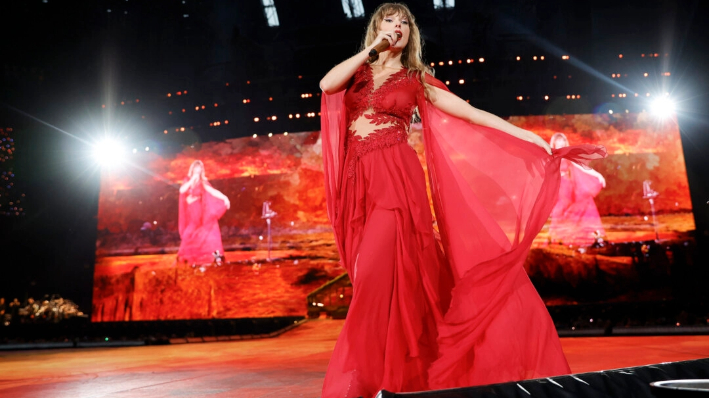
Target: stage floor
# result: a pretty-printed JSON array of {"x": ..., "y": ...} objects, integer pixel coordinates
[{"x": 290, "y": 365}]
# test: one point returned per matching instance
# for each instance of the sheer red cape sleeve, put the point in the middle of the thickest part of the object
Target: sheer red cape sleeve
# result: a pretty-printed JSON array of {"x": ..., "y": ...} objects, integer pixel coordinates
[
  {"x": 333, "y": 130},
  {"x": 586, "y": 185},
  {"x": 492, "y": 193}
]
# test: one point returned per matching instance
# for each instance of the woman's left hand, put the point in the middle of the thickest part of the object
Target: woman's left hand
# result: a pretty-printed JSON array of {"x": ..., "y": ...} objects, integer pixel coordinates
[
  {"x": 227, "y": 203},
  {"x": 535, "y": 139}
]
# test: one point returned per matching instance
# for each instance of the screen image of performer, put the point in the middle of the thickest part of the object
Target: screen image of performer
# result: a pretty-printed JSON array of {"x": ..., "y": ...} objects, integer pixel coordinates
[
  {"x": 200, "y": 208},
  {"x": 575, "y": 219},
  {"x": 423, "y": 315}
]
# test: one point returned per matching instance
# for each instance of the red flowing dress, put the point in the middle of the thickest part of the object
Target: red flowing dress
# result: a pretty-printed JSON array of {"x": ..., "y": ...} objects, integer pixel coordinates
[
  {"x": 198, "y": 225},
  {"x": 426, "y": 315},
  {"x": 575, "y": 219}
]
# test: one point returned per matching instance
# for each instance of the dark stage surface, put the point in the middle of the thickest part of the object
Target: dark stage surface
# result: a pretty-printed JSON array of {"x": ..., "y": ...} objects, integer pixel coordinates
[{"x": 293, "y": 364}]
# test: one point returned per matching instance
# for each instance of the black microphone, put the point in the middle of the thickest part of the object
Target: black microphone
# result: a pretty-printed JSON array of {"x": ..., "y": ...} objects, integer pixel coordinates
[{"x": 383, "y": 45}]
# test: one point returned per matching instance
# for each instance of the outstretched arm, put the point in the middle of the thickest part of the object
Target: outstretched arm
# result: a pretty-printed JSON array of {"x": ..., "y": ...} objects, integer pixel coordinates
[
  {"x": 214, "y": 192},
  {"x": 592, "y": 172},
  {"x": 455, "y": 106}
]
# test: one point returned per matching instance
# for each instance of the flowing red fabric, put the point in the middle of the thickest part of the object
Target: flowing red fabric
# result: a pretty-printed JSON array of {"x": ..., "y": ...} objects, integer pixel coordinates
[
  {"x": 471, "y": 304},
  {"x": 381, "y": 216},
  {"x": 575, "y": 219},
  {"x": 198, "y": 225},
  {"x": 333, "y": 131}
]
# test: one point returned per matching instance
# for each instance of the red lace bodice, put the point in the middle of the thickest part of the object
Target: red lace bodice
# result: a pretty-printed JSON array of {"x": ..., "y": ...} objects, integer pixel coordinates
[
  {"x": 195, "y": 191},
  {"x": 391, "y": 106}
]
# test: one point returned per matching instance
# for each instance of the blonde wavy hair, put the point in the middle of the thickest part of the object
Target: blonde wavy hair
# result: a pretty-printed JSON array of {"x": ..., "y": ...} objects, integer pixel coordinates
[
  {"x": 195, "y": 164},
  {"x": 412, "y": 55}
]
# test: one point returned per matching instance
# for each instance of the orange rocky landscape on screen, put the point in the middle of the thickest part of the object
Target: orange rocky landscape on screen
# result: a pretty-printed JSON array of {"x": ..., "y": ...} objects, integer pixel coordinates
[{"x": 287, "y": 171}]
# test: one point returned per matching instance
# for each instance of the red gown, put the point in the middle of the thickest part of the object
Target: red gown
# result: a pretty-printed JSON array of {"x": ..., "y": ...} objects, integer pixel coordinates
[
  {"x": 423, "y": 315},
  {"x": 575, "y": 218},
  {"x": 199, "y": 227}
]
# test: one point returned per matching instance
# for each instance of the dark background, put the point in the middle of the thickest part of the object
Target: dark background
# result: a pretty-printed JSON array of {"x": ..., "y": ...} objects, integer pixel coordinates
[{"x": 61, "y": 61}]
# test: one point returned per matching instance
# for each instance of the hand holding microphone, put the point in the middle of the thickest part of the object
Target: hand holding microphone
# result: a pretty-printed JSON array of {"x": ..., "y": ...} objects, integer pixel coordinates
[{"x": 386, "y": 41}]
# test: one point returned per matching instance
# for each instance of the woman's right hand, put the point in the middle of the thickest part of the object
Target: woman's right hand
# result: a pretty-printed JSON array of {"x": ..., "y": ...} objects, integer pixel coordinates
[
  {"x": 388, "y": 35},
  {"x": 338, "y": 78},
  {"x": 187, "y": 184}
]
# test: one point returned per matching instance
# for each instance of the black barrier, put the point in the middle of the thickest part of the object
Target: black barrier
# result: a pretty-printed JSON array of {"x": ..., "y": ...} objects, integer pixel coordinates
[
  {"x": 80, "y": 332},
  {"x": 617, "y": 383}
]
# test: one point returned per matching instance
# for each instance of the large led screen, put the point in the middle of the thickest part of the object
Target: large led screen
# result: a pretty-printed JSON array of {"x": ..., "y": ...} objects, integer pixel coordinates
[{"x": 239, "y": 228}]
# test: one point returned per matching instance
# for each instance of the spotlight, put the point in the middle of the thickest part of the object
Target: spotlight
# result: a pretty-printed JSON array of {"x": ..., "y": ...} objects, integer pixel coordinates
[
  {"x": 108, "y": 153},
  {"x": 662, "y": 107}
]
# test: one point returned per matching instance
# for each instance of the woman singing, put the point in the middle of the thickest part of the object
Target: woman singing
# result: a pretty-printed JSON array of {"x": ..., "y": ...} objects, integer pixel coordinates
[
  {"x": 200, "y": 208},
  {"x": 424, "y": 315},
  {"x": 575, "y": 219}
]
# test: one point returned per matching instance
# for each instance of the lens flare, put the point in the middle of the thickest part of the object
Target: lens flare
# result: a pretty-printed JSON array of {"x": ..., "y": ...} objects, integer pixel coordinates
[
  {"x": 108, "y": 153},
  {"x": 663, "y": 107}
]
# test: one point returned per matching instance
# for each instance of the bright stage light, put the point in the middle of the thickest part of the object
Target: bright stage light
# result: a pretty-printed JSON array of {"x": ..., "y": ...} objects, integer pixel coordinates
[
  {"x": 108, "y": 153},
  {"x": 662, "y": 107}
]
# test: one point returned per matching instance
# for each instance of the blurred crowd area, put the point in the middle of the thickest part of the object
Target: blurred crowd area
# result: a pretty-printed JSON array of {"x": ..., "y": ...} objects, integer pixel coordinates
[{"x": 50, "y": 309}]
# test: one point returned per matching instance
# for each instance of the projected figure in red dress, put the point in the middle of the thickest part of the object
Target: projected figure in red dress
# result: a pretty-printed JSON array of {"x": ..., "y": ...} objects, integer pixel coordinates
[
  {"x": 575, "y": 219},
  {"x": 200, "y": 208},
  {"x": 421, "y": 317}
]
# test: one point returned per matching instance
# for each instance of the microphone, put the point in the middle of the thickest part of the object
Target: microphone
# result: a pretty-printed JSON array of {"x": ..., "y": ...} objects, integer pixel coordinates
[{"x": 383, "y": 45}]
